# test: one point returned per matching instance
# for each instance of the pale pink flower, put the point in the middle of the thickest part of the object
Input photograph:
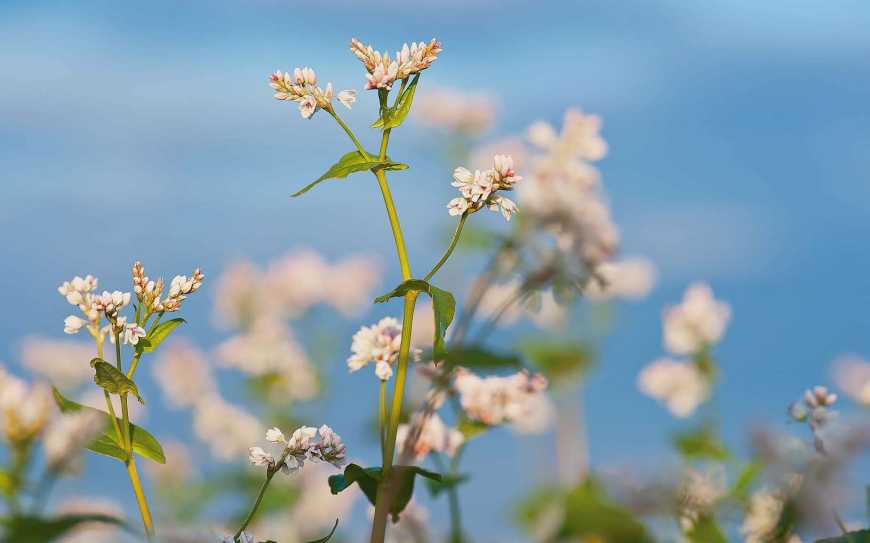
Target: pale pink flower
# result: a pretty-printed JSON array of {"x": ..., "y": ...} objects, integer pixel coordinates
[
  {"x": 699, "y": 321},
  {"x": 497, "y": 400},
  {"x": 852, "y": 375},
  {"x": 377, "y": 343},
  {"x": 456, "y": 111},
  {"x": 183, "y": 374},
  {"x": 434, "y": 436},
  {"x": 631, "y": 279},
  {"x": 65, "y": 363},
  {"x": 25, "y": 408},
  {"x": 226, "y": 428},
  {"x": 680, "y": 385}
]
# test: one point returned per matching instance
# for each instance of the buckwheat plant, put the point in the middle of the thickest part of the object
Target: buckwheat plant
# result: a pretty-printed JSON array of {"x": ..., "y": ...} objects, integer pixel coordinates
[{"x": 125, "y": 327}]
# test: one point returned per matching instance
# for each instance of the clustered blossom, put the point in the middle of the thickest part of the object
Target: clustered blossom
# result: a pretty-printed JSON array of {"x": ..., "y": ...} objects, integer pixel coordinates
[
  {"x": 814, "y": 407},
  {"x": 66, "y": 436},
  {"x": 761, "y": 522},
  {"x": 561, "y": 194},
  {"x": 698, "y": 494},
  {"x": 516, "y": 399},
  {"x": 689, "y": 328},
  {"x": 378, "y": 343},
  {"x": 680, "y": 385},
  {"x": 292, "y": 284},
  {"x": 25, "y": 409},
  {"x": 697, "y": 322},
  {"x": 300, "y": 447},
  {"x": 384, "y": 71},
  {"x": 481, "y": 188},
  {"x": 79, "y": 292},
  {"x": 469, "y": 114},
  {"x": 852, "y": 375},
  {"x": 301, "y": 87},
  {"x": 434, "y": 435}
]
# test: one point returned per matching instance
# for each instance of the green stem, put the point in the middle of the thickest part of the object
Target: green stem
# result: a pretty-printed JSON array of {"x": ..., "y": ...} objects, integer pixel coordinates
[
  {"x": 348, "y": 131},
  {"x": 384, "y": 495},
  {"x": 269, "y": 474},
  {"x": 450, "y": 248},
  {"x": 382, "y": 417},
  {"x": 114, "y": 417},
  {"x": 141, "y": 501}
]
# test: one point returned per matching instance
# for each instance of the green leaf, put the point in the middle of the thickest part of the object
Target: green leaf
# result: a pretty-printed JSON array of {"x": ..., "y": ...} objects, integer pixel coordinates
[
  {"x": 31, "y": 529},
  {"x": 747, "y": 476},
  {"x": 144, "y": 444},
  {"x": 112, "y": 380},
  {"x": 861, "y": 536},
  {"x": 443, "y": 306},
  {"x": 448, "y": 481},
  {"x": 368, "y": 480},
  {"x": 559, "y": 361},
  {"x": 701, "y": 443},
  {"x": 397, "y": 114},
  {"x": 328, "y": 536},
  {"x": 589, "y": 512},
  {"x": 478, "y": 358},
  {"x": 470, "y": 428},
  {"x": 156, "y": 336},
  {"x": 706, "y": 530},
  {"x": 353, "y": 162}
]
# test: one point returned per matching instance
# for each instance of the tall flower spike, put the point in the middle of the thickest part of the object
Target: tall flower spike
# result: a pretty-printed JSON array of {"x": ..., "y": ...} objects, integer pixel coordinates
[
  {"x": 301, "y": 87},
  {"x": 382, "y": 71}
]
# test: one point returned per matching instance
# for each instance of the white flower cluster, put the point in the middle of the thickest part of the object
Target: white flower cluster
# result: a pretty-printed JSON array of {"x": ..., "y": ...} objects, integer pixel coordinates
[
  {"x": 689, "y": 328},
  {"x": 697, "y": 322},
  {"x": 455, "y": 111},
  {"x": 378, "y": 343},
  {"x": 301, "y": 87},
  {"x": 761, "y": 522},
  {"x": 292, "y": 284},
  {"x": 184, "y": 376},
  {"x": 25, "y": 409},
  {"x": 852, "y": 374},
  {"x": 518, "y": 399},
  {"x": 481, "y": 188},
  {"x": 81, "y": 292},
  {"x": 300, "y": 447},
  {"x": 434, "y": 436},
  {"x": 384, "y": 71},
  {"x": 67, "y": 435},
  {"x": 561, "y": 194},
  {"x": 814, "y": 407},
  {"x": 269, "y": 349}
]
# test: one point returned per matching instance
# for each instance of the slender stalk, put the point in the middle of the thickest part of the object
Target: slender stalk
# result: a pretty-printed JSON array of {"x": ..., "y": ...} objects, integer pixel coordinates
[
  {"x": 114, "y": 417},
  {"x": 384, "y": 495},
  {"x": 450, "y": 247},
  {"x": 348, "y": 131},
  {"x": 141, "y": 501},
  {"x": 382, "y": 416},
  {"x": 269, "y": 474}
]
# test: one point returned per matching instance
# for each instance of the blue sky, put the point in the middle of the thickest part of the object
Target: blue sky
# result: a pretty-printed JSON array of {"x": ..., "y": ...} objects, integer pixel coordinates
[{"x": 739, "y": 155}]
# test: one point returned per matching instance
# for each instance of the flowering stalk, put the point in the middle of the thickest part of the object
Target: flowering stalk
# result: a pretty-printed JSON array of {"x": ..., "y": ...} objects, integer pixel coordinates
[{"x": 450, "y": 247}]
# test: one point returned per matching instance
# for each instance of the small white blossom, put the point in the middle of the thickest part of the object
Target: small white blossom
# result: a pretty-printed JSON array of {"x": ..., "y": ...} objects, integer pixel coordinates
[
  {"x": 630, "y": 279},
  {"x": 510, "y": 399},
  {"x": 274, "y": 435},
  {"x": 72, "y": 324},
  {"x": 132, "y": 333},
  {"x": 258, "y": 457},
  {"x": 382, "y": 71},
  {"x": 307, "y": 106},
  {"x": 478, "y": 189},
  {"x": 347, "y": 98},
  {"x": 852, "y": 375},
  {"x": 680, "y": 385},
  {"x": 378, "y": 343},
  {"x": 302, "y": 88},
  {"x": 434, "y": 435},
  {"x": 697, "y": 322}
]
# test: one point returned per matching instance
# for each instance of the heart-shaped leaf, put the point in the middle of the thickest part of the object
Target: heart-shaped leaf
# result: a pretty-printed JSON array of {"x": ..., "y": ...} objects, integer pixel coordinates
[
  {"x": 144, "y": 444},
  {"x": 443, "y": 306},
  {"x": 156, "y": 336},
  {"x": 112, "y": 380},
  {"x": 368, "y": 479},
  {"x": 352, "y": 162}
]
